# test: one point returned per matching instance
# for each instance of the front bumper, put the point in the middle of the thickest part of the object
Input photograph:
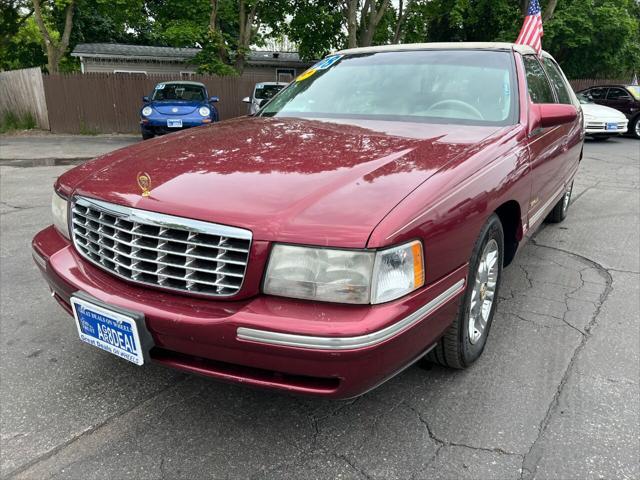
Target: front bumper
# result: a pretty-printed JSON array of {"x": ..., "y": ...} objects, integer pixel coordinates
[
  {"x": 329, "y": 350},
  {"x": 158, "y": 126},
  {"x": 600, "y": 127}
]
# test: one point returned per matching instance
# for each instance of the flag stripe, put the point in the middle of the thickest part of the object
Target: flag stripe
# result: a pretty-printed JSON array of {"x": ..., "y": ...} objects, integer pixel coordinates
[{"x": 532, "y": 31}]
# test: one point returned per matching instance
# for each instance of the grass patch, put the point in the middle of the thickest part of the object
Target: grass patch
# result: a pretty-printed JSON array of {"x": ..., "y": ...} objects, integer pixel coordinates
[
  {"x": 86, "y": 130},
  {"x": 11, "y": 121}
]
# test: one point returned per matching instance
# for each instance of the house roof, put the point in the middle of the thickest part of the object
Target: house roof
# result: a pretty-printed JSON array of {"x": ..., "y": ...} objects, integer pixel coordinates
[
  {"x": 138, "y": 52},
  {"x": 145, "y": 52}
]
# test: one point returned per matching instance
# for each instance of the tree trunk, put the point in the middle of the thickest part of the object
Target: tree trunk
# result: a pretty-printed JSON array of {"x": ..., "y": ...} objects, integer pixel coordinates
[
  {"x": 368, "y": 31},
  {"x": 352, "y": 22},
  {"x": 402, "y": 15},
  {"x": 548, "y": 12},
  {"x": 213, "y": 17},
  {"x": 54, "y": 49},
  {"x": 245, "y": 33},
  {"x": 524, "y": 6}
]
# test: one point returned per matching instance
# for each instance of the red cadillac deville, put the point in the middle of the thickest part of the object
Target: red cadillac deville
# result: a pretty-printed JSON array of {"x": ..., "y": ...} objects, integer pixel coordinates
[{"x": 358, "y": 222}]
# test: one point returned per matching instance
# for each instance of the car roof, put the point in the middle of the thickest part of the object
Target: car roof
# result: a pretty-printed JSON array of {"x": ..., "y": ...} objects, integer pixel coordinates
[
  {"x": 183, "y": 82},
  {"x": 523, "y": 49}
]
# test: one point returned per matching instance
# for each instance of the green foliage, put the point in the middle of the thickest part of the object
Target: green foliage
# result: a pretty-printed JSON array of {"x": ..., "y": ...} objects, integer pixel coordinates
[
  {"x": 588, "y": 37},
  {"x": 595, "y": 38},
  {"x": 11, "y": 121}
]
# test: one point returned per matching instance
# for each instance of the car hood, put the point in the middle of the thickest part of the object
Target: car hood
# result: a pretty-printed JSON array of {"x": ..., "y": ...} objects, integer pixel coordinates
[
  {"x": 176, "y": 108},
  {"x": 289, "y": 180},
  {"x": 601, "y": 112}
]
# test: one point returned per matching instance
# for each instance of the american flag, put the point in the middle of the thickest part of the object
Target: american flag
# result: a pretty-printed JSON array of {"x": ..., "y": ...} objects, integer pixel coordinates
[{"x": 531, "y": 33}]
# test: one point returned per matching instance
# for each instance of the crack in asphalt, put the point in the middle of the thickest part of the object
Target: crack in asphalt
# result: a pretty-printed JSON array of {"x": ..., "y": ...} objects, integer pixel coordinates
[
  {"x": 532, "y": 457},
  {"x": 89, "y": 431}
]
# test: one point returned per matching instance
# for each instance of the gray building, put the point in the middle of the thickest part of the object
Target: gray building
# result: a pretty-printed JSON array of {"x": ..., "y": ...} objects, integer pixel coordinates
[{"x": 145, "y": 60}]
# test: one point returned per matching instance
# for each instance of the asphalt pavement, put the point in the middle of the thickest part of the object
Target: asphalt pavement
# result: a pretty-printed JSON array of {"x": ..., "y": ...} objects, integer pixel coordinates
[{"x": 556, "y": 394}]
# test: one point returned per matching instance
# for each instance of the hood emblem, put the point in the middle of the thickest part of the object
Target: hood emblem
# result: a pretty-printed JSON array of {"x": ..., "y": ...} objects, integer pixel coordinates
[
  {"x": 144, "y": 182},
  {"x": 174, "y": 109}
]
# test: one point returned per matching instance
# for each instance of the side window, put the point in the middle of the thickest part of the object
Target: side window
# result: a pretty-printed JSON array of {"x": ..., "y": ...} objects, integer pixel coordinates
[
  {"x": 538, "y": 85},
  {"x": 618, "y": 94},
  {"x": 557, "y": 81},
  {"x": 598, "y": 93}
]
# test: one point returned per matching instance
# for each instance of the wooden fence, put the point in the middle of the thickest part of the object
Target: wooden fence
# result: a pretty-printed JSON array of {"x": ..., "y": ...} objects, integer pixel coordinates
[
  {"x": 582, "y": 83},
  {"x": 108, "y": 103},
  {"x": 22, "y": 93}
]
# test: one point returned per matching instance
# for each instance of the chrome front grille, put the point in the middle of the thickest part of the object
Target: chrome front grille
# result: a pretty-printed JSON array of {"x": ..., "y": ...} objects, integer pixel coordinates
[{"x": 161, "y": 250}]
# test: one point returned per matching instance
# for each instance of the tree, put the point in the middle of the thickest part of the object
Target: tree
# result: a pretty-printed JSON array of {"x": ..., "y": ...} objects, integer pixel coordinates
[{"x": 55, "y": 44}]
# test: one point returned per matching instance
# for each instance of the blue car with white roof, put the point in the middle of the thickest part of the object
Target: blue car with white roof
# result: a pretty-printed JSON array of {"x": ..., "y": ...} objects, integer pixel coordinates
[{"x": 176, "y": 105}]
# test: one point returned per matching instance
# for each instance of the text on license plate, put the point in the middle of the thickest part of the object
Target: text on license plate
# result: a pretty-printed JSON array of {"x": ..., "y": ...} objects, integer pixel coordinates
[
  {"x": 612, "y": 126},
  {"x": 111, "y": 331},
  {"x": 174, "y": 123}
]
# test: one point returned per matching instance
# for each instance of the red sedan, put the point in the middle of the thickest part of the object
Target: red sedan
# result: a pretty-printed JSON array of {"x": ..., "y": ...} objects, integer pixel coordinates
[{"x": 357, "y": 223}]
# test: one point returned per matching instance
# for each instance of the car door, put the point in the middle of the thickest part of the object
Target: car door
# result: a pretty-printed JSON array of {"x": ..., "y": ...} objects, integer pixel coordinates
[
  {"x": 599, "y": 95},
  {"x": 545, "y": 144},
  {"x": 570, "y": 151},
  {"x": 620, "y": 99}
]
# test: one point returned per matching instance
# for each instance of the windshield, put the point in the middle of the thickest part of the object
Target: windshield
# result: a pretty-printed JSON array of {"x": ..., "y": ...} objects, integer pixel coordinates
[
  {"x": 178, "y": 91},
  {"x": 635, "y": 91},
  {"x": 432, "y": 86},
  {"x": 266, "y": 92},
  {"x": 584, "y": 99}
]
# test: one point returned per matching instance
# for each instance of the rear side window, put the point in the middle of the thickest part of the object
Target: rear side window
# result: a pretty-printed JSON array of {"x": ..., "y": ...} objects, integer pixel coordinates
[
  {"x": 598, "y": 93},
  {"x": 557, "y": 81},
  {"x": 538, "y": 85},
  {"x": 618, "y": 94}
]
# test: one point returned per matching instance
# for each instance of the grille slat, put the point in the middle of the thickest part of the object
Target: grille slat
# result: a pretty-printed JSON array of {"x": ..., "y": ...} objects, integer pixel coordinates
[{"x": 165, "y": 251}]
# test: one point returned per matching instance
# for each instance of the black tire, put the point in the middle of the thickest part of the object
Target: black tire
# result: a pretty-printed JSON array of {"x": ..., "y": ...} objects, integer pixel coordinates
[
  {"x": 634, "y": 127},
  {"x": 455, "y": 349},
  {"x": 147, "y": 135},
  {"x": 559, "y": 212}
]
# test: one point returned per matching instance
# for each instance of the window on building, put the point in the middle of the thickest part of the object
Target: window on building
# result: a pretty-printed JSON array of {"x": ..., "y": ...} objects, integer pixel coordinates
[{"x": 285, "y": 75}]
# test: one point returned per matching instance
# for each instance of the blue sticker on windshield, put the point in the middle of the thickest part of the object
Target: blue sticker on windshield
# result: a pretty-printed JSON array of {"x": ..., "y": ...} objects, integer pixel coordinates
[
  {"x": 327, "y": 62},
  {"x": 160, "y": 86}
]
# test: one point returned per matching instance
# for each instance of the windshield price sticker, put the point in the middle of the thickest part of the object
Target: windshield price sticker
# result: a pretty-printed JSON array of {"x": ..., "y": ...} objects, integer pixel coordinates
[
  {"x": 322, "y": 65},
  {"x": 160, "y": 86}
]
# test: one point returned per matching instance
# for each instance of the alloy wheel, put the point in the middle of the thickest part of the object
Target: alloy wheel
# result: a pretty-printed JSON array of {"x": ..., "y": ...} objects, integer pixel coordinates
[{"x": 483, "y": 293}]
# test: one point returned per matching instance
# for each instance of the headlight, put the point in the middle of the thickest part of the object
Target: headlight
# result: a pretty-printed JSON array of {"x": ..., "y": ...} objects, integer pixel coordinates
[
  {"x": 344, "y": 276},
  {"x": 146, "y": 111},
  {"x": 59, "y": 211},
  {"x": 397, "y": 271},
  {"x": 204, "y": 111}
]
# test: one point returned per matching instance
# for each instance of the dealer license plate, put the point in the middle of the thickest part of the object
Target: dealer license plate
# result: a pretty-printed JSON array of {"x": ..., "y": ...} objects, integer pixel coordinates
[
  {"x": 612, "y": 126},
  {"x": 111, "y": 331},
  {"x": 174, "y": 123}
]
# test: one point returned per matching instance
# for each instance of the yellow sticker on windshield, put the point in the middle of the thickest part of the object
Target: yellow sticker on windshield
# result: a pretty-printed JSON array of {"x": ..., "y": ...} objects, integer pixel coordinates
[{"x": 306, "y": 74}]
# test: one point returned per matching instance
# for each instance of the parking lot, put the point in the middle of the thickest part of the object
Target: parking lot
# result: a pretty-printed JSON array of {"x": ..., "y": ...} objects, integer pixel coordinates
[{"x": 556, "y": 394}]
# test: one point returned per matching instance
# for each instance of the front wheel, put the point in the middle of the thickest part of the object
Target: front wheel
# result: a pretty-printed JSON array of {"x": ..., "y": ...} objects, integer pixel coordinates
[
  {"x": 559, "y": 212},
  {"x": 147, "y": 135},
  {"x": 464, "y": 341}
]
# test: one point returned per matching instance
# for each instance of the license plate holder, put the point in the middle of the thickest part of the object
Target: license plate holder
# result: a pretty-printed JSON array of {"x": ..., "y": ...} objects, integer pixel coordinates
[
  {"x": 174, "y": 123},
  {"x": 612, "y": 126},
  {"x": 115, "y": 330}
]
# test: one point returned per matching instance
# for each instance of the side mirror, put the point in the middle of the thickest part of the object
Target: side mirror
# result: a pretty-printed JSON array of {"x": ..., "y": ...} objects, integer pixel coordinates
[
  {"x": 246, "y": 99},
  {"x": 545, "y": 115},
  {"x": 145, "y": 99},
  {"x": 214, "y": 99}
]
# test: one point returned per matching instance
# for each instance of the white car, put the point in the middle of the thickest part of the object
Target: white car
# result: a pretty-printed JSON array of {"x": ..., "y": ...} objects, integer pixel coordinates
[
  {"x": 262, "y": 93},
  {"x": 600, "y": 122}
]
